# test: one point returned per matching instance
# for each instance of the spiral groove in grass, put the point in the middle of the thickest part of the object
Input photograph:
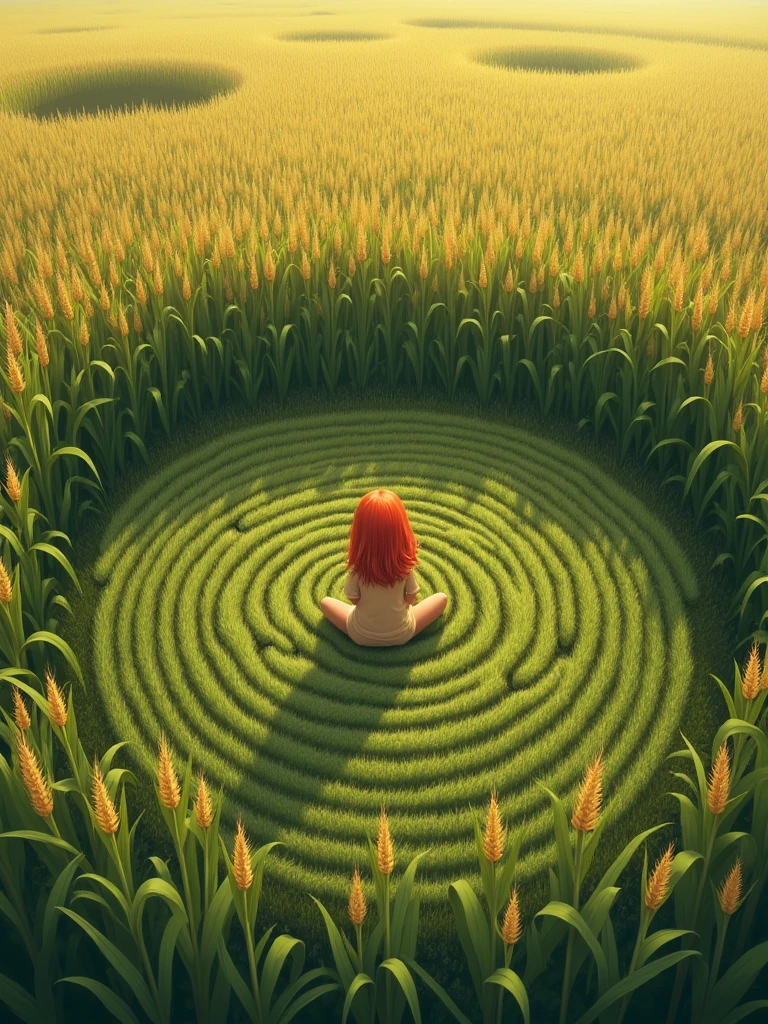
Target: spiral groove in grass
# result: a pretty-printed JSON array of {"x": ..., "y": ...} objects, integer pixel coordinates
[{"x": 567, "y": 629}]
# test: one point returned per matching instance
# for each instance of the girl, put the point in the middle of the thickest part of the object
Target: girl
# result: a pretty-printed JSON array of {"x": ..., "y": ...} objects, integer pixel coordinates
[{"x": 380, "y": 581}]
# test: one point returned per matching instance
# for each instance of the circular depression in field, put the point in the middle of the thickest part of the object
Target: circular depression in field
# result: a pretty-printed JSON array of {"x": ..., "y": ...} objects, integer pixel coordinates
[
  {"x": 127, "y": 89},
  {"x": 332, "y": 36},
  {"x": 560, "y": 60},
  {"x": 567, "y": 630}
]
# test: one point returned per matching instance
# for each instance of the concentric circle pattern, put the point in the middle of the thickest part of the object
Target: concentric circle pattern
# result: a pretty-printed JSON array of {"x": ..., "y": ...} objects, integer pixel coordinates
[{"x": 566, "y": 630}]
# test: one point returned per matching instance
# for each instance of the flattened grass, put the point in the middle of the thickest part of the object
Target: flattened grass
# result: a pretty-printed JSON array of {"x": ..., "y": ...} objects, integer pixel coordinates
[{"x": 569, "y": 627}]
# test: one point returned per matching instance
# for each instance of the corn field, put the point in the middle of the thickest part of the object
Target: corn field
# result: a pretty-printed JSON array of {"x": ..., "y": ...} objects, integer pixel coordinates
[{"x": 570, "y": 224}]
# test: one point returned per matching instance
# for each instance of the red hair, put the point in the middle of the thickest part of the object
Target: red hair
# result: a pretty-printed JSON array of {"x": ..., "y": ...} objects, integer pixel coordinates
[{"x": 382, "y": 547}]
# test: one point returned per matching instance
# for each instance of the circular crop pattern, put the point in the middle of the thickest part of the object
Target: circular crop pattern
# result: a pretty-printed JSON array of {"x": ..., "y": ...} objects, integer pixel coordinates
[
  {"x": 332, "y": 36},
  {"x": 561, "y": 60},
  {"x": 127, "y": 88},
  {"x": 566, "y": 630}
]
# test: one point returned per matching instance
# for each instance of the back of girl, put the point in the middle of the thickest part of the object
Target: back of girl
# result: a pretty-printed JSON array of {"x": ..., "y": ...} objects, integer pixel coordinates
[{"x": 381, "y": 583}]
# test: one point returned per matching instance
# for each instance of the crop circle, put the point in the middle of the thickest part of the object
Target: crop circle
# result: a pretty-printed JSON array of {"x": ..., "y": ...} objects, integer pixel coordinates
[
  {"x": 558, "y": 60},
  {"x": 333, "y": 36},
  {"x": 567, "y": 630},
  {"x": 87, "y": 92}
]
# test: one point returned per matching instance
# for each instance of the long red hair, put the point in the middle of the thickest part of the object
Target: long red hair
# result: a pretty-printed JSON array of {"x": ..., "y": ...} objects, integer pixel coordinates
[{"x": 382, "y": 547}]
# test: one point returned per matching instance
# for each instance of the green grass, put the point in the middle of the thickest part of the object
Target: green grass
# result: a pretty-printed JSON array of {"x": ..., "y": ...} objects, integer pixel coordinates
[
  {"x": 569, "y": 627},
  {"x": 564, "y": 60}
]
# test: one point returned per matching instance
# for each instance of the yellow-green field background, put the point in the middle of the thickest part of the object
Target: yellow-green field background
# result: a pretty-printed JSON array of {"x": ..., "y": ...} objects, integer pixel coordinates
[{"x": 687, "y": 128}]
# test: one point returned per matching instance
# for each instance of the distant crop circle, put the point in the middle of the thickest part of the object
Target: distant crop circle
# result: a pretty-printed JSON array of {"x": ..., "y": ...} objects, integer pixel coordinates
[
  {"x": 567, "y": 630},
  {"x": 333, "y": 36},
  {"x": 124, "y": 89},
  {"x": 559, "y": 60}
]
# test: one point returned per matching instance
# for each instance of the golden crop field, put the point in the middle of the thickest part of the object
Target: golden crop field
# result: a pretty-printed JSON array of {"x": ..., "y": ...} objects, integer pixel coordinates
[{"x": 404, "y": 127}]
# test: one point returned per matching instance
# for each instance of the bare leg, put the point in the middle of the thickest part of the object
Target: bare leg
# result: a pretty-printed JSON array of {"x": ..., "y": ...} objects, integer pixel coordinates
[
  {"x": 336, "y": 612},
  {"x": 429, "y": 609}
]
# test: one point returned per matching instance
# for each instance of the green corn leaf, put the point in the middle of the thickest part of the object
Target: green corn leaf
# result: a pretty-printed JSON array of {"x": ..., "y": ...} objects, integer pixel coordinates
[
  {"x": 239, "y": 987},
  {"x": 119, "y": 962},
  {"x": 45, "y": 636},
  {"x": 566, "y": 913},
  {"x": 472, "y": 926},
  {"x": 735, "y": 982},
  {"x": 340, "y": 958},
  {"x": 510, "y": 981},
  {"x": 654, "y": 942},
  {"x": 112, "y": 1002},
  {"x": 19, "y": 1001},
  {"x": 745, "y": 1010},
  {"x": 437, "y": 990},
  {"x": 165, "y": 964},
  {"x": 358, "y": 983},
  {"x": 284, "y": 947},
  {"x": 402, "y": 900},
  {"x": 634, "y": 981},
  {"x": 402, "y": 976}
]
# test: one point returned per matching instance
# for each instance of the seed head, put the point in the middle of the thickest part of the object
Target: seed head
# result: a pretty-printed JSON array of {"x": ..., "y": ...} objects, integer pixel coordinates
[
  {"x": 729, "y": 893},
  {"x": 532, "y": 285},
  {"x": 157, "y": 279},
  {"x": 592, "y": 305},
  {"x": 512, "y": 927},
  {"x": 57, "y": 708},
  {"x": 424, "y": 266},
  {"x": 386, "y": 254},
  {"x": 719, "y": 781},
  {"x": 698, "y": 308},
  {"x": 586, "y": 812},
  {"x": 385, "y": 853},
  {"x": 12, "y": 485},
  {"x": 104, "y": 809},
  {"x": 141, "y": 291},
  {"x": 351, "y": 266},
  {"x": 84, "y": 334},
  {"x": 64, "y": 300},
  {"x": 167, "y": 780},
  {"x": 40, "y": 794},
  {"x": 750, "y": 680},
  {"x": 362, "y": 248},
  {"x": 745, "y": 320},
  {"x": 241, "y": 859},
  {"x": 331, "y": 277},
  {"x": 764, "y": 676},
  {"x": 508, "y": 281},
  {"x": 658, "y": 884},
  {"x": 15, "y": 375},
  {"x": 20, "y": 713},
  {"x": 764, "y": 382},
  {"x": 6, "y": 589},
  {"x": 305, "y": 268},
  {"x": 578, "y": 267},
  {"x": 12, "y": 331},
  {"x": 357, "y": 907},
  {"x": 42, "y": 347},
  {"x": 137, "y": 324},
  {"x": 493, "y": 834},
  {"x": 709, "y": 371},
  {"x": 554, "y": 262},
  {"x": 122, "y": 322},
  {"x": 203, "y": 804},
  {"x": 738, "y": 419}
]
